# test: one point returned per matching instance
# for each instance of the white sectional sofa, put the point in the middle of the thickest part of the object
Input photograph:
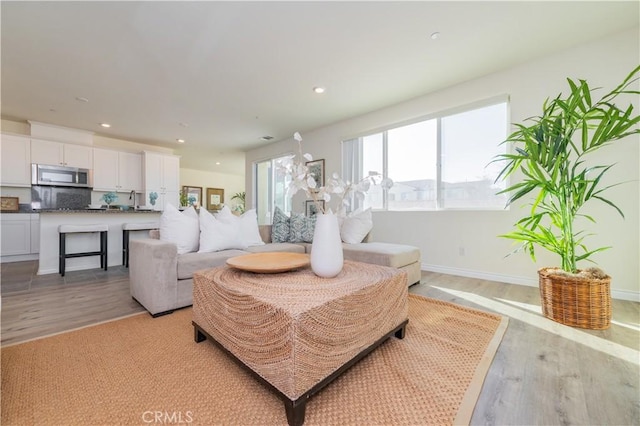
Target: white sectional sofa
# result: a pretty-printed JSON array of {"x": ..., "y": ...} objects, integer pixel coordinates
[{"x": 161, "y": 280}]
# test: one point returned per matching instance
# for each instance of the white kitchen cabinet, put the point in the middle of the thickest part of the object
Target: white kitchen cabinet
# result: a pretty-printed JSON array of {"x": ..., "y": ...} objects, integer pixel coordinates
[
  {"x": 16, "y": 234},
  {"x": 130, "y": 171},
  {"x": 35, "y": 233},
  {"x": 116, "y": 171},
  {"x": 162, "y": 176},
  {"x": 105, "y": 170},
  {"x": 61, "y": 154},
  {"x": 15, "y": 158}
]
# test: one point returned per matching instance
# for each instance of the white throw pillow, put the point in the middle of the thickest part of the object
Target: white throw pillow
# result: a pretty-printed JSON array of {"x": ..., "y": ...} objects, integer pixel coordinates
[
  {"x": 225, "y": 214},
  {"x": 249, "y": 228},
  {"x": 180, "y": 228},
  {"x": 356, "y": 226},
  {"x": 248, "y": 224},
  {"x": 219, "y": 233}
]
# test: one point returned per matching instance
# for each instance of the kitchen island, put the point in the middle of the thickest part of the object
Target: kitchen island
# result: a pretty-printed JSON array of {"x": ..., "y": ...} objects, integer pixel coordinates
[{"x": 50, "y": 220}]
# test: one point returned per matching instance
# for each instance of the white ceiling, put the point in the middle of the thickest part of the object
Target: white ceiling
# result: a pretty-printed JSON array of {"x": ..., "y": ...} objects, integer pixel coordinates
[{"x": 232, "y": 72}]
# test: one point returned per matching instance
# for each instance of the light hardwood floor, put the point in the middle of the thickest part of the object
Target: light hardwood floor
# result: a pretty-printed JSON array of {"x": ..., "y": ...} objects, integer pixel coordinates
[
  {"x": 543, "y": 373},
  {"x": 39, "y": 305}
]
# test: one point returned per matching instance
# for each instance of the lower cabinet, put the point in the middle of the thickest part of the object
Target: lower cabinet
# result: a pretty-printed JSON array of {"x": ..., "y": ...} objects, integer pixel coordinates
[
  {"x": 20, "y": 235},
  {"x": 35, "y": 233}
]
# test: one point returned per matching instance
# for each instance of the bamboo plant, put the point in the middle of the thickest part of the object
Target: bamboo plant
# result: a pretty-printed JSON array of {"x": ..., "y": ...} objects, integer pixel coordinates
[{"x": 551, "y": 153}]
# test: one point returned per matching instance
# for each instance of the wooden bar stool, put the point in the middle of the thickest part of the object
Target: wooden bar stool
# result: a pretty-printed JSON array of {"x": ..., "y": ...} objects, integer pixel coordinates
[
  {"x": 128, "y": 227},
  {"x": 63, "y": 230}
]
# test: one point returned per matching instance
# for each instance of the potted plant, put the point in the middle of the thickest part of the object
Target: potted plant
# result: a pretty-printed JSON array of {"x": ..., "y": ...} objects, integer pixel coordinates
[
  {"x": 109, "y": 198},
  {"x": 552, "y": 155},
  {"x": 240, "y": 196},
  {"x": 186, "y": 199}
]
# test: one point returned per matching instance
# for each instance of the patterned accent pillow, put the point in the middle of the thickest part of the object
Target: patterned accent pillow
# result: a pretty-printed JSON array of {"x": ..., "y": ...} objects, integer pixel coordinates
[
  {"x": 280, "y": 227},
  {"x": 301, "y": 228}
]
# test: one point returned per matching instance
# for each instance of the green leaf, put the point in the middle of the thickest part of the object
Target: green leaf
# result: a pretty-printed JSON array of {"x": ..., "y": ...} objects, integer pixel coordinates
[
  {"x": 549, "y": 157},
  {"x": 610, "y": 203}
]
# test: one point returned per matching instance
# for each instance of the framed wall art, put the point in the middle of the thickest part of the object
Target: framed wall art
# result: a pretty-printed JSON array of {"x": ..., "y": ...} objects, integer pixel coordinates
[
  {"x": 316, "y": 169},
  {"x": 215, "y": 198},
  {"x": 193, "y": 192},
  {"x": 311, "y": 209}
]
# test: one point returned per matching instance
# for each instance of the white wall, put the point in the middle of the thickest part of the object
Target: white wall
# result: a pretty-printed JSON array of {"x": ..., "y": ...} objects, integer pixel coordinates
[
  {"x": 441, "y": 234},
  {"x": 230, "y": 183}
]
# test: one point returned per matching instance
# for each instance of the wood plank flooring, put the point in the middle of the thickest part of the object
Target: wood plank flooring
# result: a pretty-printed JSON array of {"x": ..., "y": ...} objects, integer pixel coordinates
[
  {"x": 39, "y": 305},
  {"x": 543, "y": 373}
]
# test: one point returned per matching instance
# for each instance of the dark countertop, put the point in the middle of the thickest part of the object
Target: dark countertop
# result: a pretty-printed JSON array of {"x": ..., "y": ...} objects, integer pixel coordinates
[
  {"x": 99, "y": 211},
  {"x": 26, "y": 209},
  {"x": 22, "y": 208}
]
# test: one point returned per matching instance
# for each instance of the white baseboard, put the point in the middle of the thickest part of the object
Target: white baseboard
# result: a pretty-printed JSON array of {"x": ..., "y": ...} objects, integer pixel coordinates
[
  {"x": 633, "y": 296},
  {"x": 18, "y": 258},
  {"x": 75, "y": 268},
  {"x": 625, "y": 295}
]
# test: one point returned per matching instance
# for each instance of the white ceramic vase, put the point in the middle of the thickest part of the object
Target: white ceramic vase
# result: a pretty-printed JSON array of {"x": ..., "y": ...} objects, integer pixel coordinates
[{"x": 326, "y": 251}]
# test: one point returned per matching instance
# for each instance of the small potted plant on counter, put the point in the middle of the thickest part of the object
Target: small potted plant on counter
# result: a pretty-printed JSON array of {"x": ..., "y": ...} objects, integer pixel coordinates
[{"x": 109, "y": 198}]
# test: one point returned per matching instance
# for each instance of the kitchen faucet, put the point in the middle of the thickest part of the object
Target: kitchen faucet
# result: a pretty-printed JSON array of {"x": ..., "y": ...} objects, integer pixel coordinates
[{"x": 132, "y": 196}]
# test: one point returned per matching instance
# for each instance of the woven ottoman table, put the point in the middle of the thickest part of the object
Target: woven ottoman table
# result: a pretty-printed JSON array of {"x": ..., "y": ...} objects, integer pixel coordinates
[{"x": 297, "y": 332}]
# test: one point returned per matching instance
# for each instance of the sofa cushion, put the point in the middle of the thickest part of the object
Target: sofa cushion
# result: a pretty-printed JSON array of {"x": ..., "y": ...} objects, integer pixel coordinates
[
  {"x": 280, "y": 227},
  {"x": 247, "y": 223},
  {"x": 386, "y": 254},
  {"x": 180, "y": 228},
  {"x": 301, "y": 228},
  {"x": 265, "y": 233},
  {"x": 188, "y": 263},
  {"x": 288, "y": 247},
  {"x": 356, "y": 226},
  {"x": 307, "y": 247},
  {"x": 218, "y": 234}
]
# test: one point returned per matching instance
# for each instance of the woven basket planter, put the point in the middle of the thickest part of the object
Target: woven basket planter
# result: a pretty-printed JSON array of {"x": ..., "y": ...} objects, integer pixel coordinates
[{"x": 576, "y": 301}]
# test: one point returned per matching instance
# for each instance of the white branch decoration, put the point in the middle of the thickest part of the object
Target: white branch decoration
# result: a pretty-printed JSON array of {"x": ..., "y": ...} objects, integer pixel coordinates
[{"x": 302, "y": 179}]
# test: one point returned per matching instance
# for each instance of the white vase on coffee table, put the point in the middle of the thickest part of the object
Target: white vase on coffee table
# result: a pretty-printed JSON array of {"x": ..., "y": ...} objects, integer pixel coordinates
[{"x": 326, "y": 251}]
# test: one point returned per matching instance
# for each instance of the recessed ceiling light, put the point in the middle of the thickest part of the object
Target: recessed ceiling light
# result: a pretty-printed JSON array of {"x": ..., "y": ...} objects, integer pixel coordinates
[
  {"x": 266, "y": 138},
  {"x": 318, "y": 89},
  {"x": 81, "y": 99},
  {"x": 217, "y": 163},
  {"x": 180, "y": 140},
  {"x": 435, "y": 36},
  {"x": 107, "y": 125}
]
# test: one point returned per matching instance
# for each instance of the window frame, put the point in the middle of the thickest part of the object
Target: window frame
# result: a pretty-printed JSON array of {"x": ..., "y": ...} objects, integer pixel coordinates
[
  {"x": 271, "y": 201},
  {"x": 438, "y": 116}
]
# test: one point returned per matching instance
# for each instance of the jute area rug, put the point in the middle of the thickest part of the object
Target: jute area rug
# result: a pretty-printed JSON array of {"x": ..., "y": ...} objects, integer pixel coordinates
[{"x": 142, "y": 370}]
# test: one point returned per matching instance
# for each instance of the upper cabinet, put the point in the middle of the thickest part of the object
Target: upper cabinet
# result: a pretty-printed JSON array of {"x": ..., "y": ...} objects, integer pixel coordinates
[
  {"x": 105, "y": 170},
  {"x": 130, "y": 171},
  {"x": 61, "y": 154},
  {"x": 162, "y": 176},
  {"x": 15, "y": 160},
  {"x": 116, "y": 171}
]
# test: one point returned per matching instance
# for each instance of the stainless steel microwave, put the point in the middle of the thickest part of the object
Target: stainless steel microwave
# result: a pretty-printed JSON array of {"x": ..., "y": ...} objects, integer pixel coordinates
[{"x": 44, "y": 174}]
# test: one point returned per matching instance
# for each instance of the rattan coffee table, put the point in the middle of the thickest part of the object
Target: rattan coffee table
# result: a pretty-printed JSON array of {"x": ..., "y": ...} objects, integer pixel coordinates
[{"x": 297, "y": 332}]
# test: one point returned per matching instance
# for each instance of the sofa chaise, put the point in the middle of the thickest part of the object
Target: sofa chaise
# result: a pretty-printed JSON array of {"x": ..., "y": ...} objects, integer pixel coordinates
[{"x": 161, "y": 280}]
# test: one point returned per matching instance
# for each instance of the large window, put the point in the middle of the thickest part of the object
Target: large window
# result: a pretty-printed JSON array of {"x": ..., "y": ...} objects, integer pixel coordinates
[
  {"x": 441, "y": 162},
  {"x": 270, "y": 190}
]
